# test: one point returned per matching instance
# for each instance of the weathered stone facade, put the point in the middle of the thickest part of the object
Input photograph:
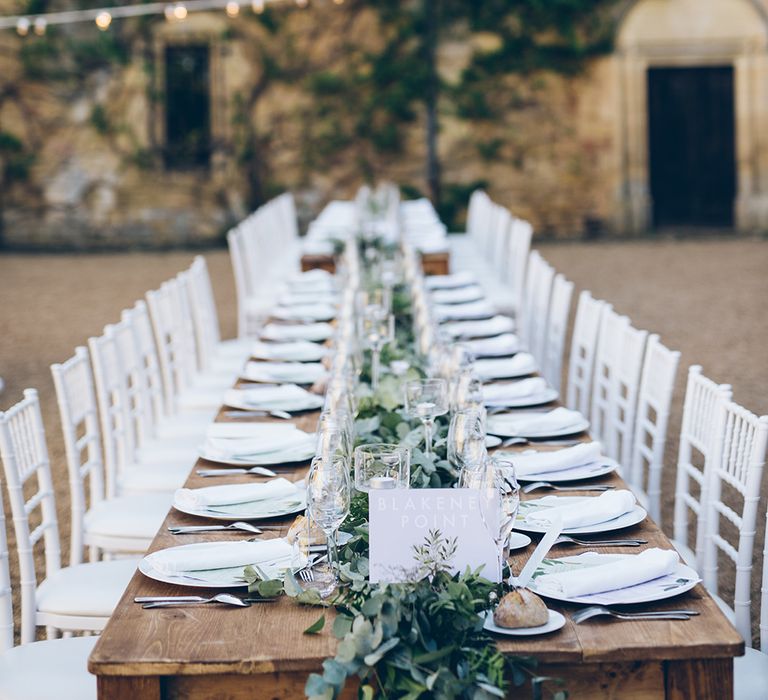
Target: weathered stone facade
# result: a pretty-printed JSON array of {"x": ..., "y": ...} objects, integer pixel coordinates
[{"x": 570, "y": 154}]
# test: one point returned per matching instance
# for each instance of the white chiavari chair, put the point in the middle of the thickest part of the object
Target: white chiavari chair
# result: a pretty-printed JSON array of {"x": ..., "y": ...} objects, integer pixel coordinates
[
  {"x": 734, "y": 476},
  {"x": 125, "y": 472},
  {"x": 556, "y": 328},
  {"x": 125, "y": 524},
  {"x": 466, "y": 249},
  {"x": 73, "y": 598},
  {"x": 246, "y": 324},
  {"x": 521, "y": 234},
  {"x": 607, "y": 358},
  {"x": 537, "y": 326},
  {"x": 750, "y": 672},
  {"x": 527, "y": 322},
  {"x": 656, "y": 387},
  {"x": 701, "y": 428},
  {"x": 581, "y": 363},
  {"x": 56, "y": 668}
]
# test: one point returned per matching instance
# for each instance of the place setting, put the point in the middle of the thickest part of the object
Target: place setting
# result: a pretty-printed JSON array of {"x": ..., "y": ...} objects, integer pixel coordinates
[
  {"x": 533, "y": 391},
  {"x": 284, "y": 372},
  {"x": 521, "y": 364},
  {"x": 289, "y": 351},
  {"x": 284, "y": 332},
  {"x": 485, "y": 328},
  {"x": 558, "y": 422},
  {"x": 287, "y": 398}
]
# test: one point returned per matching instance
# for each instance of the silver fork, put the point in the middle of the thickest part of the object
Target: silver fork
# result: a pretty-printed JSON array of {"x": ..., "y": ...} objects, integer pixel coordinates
[
  {"x": 223, "y": 598},
  {"x": 257, "y": 413},
  {"x": 307, "y": 575},
  {"x": 628, "y": 542},
  {"x": 259, "y": 471},
  {"x": 554, "y": 487},
  {"x": 239, "y": 525},
  {"x": 601, "y": 610},
  {"x": 508, "y": 442}
]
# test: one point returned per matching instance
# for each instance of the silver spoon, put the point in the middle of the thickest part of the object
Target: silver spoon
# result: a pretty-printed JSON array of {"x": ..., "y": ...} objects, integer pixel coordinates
[
  {"x": 600, "y": 610},
  {"x": 258, "y": 414},
  {"x": 260, "y": 471},
  {"x": 508, "y": 442},
  {"x": 223, "y": 598},
  {"x": 191, "y": 529},
  {"x": 629, "y": 542},
  {"x": 554, "y": 487}
]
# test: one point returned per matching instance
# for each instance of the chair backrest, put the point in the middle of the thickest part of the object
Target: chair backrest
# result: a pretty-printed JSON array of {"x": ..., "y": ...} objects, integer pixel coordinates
[
  {"x": 6, "y": 594},
  {"x": 764, "y": 595},
  {"x": 656, "y": 387},
  {"x": 556, "y": 328},
  {"x": 25, "y": 456},
  {"x": 526, "y": 324},
  {"x": 581, "y": 362},
  {"x": 82, "y": 441},
  {"x": 737, "y": 467},
  {"x": 700, "y": 430},
  {"x": 205, "y": 319},
  {"x": 521, "y": 233},
  {"x": 476, "y": 211},
  {"x": 138, "y": 320},
  {"x": 501, "y": 243},
  {"x": 540, "y": 311}
]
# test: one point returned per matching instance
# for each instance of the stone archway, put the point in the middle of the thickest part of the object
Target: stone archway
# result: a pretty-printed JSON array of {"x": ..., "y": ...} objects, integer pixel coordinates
[{"x": 693, "y": 33}]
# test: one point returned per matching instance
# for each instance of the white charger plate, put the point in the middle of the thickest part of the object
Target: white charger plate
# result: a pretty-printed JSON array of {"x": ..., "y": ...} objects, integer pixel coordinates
[
  {"x": 222, "y": 578},
  {"x": 288, "y": 456},
  {"x": 495, "y": 425},
  {"x": 556, "y": 621},
  {"x": 492, "y": 441},
  {"x": 600, "y": 467},
  {"x": 681, "y": 580},
  {"x": 633, "y": 517},
  {"x": 239, "y": 511},
  {"x": 547, "y": 396}
]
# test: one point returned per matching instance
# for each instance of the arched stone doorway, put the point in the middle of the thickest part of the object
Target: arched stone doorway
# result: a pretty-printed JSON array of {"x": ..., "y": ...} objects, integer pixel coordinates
[{"x": 717, "y": 49}]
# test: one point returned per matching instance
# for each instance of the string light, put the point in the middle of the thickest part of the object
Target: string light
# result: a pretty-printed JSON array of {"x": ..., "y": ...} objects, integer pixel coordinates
[
  {"x": 339, "y": 2},
  {"x": 302, "y": 3},
  {"x": 22, "y": 26},
  {"x": 257, "y": 6},
  {"x": 40, "y": 25},
  {"x": 232, "y": 8},
  {"x": 103, "y": 20},
  {"x": 180, "y": 11}
]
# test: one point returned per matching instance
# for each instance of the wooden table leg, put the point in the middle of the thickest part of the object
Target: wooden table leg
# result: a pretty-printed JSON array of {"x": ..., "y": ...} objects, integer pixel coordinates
[
  {"x": 703, "y": 679},
  {"x": 128, "y": 687}
]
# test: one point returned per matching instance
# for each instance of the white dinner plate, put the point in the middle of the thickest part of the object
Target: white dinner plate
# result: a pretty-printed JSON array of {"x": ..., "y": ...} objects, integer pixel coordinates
[
  {"x": 492, "y": 441},
  {"x": 556, "y": 621},
  {"x": 213, "y": 578},
  {"x": 496, "y": 425},
  {"x": 495, "y": 368},
  {"x": 682, "y": 579},
  {"x": 633, "y": 517},
  {"x": 288, "y": 456},
  {"x": 600, "y": 467},
  {"x": 239, "y": 511},
  {"x": 547, "y": 396},
  {"x": 309, "y": 402},
  {"x": 517, "y": 540}
]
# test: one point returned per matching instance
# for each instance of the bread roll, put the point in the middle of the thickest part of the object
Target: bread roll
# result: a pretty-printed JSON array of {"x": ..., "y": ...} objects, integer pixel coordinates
[{"x": 521, "y": 608}]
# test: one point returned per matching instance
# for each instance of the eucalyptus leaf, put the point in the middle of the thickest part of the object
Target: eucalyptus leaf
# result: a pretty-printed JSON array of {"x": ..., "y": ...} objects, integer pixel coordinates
[{"x": 316, "y": 626}]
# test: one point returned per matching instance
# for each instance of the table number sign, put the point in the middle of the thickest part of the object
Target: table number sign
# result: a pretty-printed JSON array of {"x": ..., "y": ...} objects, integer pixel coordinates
[{"x": 402, "y": 519}]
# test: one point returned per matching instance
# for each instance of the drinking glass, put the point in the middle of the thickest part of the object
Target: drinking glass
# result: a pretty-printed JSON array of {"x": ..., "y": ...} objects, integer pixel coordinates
[
  {"x": 499, "y": 501},
  {"x": 426, "y": 399},
  {"x": 382, "y": 466},
  {"x": 466, "y": 390},
  {"x": 328, "y": 496},
  {"x": 466, "y": 440},
  {"x": 377, "y": 328}
]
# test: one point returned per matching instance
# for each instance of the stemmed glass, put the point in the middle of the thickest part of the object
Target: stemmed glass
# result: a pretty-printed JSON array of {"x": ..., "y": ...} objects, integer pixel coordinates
[
  {"x": 426, "y": 399},
  {"x": 328, "y": 496},
  {"x": 466, "y": 441},
  {"x": 499, "y": 501},
  {"x": 377, "y": 328}
]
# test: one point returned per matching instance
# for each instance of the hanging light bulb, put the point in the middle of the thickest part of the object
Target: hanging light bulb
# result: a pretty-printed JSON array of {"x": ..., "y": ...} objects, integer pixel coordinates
[
  {"x": 302, "y": 3},
  {"x": 233, "y": 8},
  {"x": 22, "y": 26},
  {"x": 179, "y": 11},
  {"x": 40, "y": 25},
  {"x": 103, "y": 20},
  {"x": 169, "y": 12},
  {"x": 257, "y": 6},
  {"x": 339, "y": 2}
]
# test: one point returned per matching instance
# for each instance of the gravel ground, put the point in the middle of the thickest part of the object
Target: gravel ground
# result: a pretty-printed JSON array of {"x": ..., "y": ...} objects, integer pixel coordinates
[{"x": 703, "y": 298}]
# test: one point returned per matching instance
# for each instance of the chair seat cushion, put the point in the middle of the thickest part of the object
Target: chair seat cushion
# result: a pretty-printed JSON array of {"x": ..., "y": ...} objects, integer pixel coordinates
[
  {"x": 206, "y": 398},
  {"x": 129, "y": 516},
  {"x": 184, "y": 425},
  {"x": 141, "y": 477},
  {"x": 87, "y": 590},
  {"x": 57, "y": 668},
  {"x": 750, "y": 676}
]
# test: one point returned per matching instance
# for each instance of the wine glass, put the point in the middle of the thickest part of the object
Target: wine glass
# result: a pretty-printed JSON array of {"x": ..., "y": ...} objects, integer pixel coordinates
[
  {"x": 499, "y": 502},
  {"x": 466, "y": 440},
  {"x": 377, "y": 328},
  {"x": 328, "y": 497},
  {"x": 466, "y": 390},
  {"x": 382, "y": 466},
  {"x": 426, "y": 399}
]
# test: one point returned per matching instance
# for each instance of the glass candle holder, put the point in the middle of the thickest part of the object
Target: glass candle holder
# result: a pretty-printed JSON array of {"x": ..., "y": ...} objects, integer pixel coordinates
[{"x": 382, "y": 466}]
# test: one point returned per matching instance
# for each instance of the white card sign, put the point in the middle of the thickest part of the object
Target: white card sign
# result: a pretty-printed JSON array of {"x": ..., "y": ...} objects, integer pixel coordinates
[{"x": 401, "y": 519}]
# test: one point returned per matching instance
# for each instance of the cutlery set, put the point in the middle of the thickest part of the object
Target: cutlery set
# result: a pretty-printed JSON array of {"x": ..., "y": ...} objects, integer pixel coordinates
[
  {"x": 600, "y": 610},
  {"x": 258, "y": 414}
]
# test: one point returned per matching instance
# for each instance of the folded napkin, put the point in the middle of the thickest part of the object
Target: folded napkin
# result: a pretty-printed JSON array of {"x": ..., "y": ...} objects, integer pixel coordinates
[
  {"x": 532, "y": 462},
  {"x": 302, "y": 331},
  {"x": 239, "y": 449},
  {"x": 629, "y": 571},
  {"x": 504, "y": 344},
  {"x": 555, "y": 421},
  {"x": 270, "y": 399},
  {"x": 237, "y": 431},
  {"x": 219, "y": 555},
  {"x": 457, "y": 279},
  {"x": 458, "y": 296},
  {"x": 497, "y": 368},
  {"x": 499, "y": 393},
  {"x": 460, "y": 312},
  {"x": 275, "y": 489},
  {"x": 480, "y": 329},
  {"x": 314, "y": 312},
  {"x": 298, "y": 372},
  {"x": 297, "y": 351},
  {"x": 590, "y": 511}
]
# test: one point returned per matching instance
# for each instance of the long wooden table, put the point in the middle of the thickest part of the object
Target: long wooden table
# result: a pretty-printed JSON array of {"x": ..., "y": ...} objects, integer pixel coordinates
[{"x": 261, "y": 653}]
